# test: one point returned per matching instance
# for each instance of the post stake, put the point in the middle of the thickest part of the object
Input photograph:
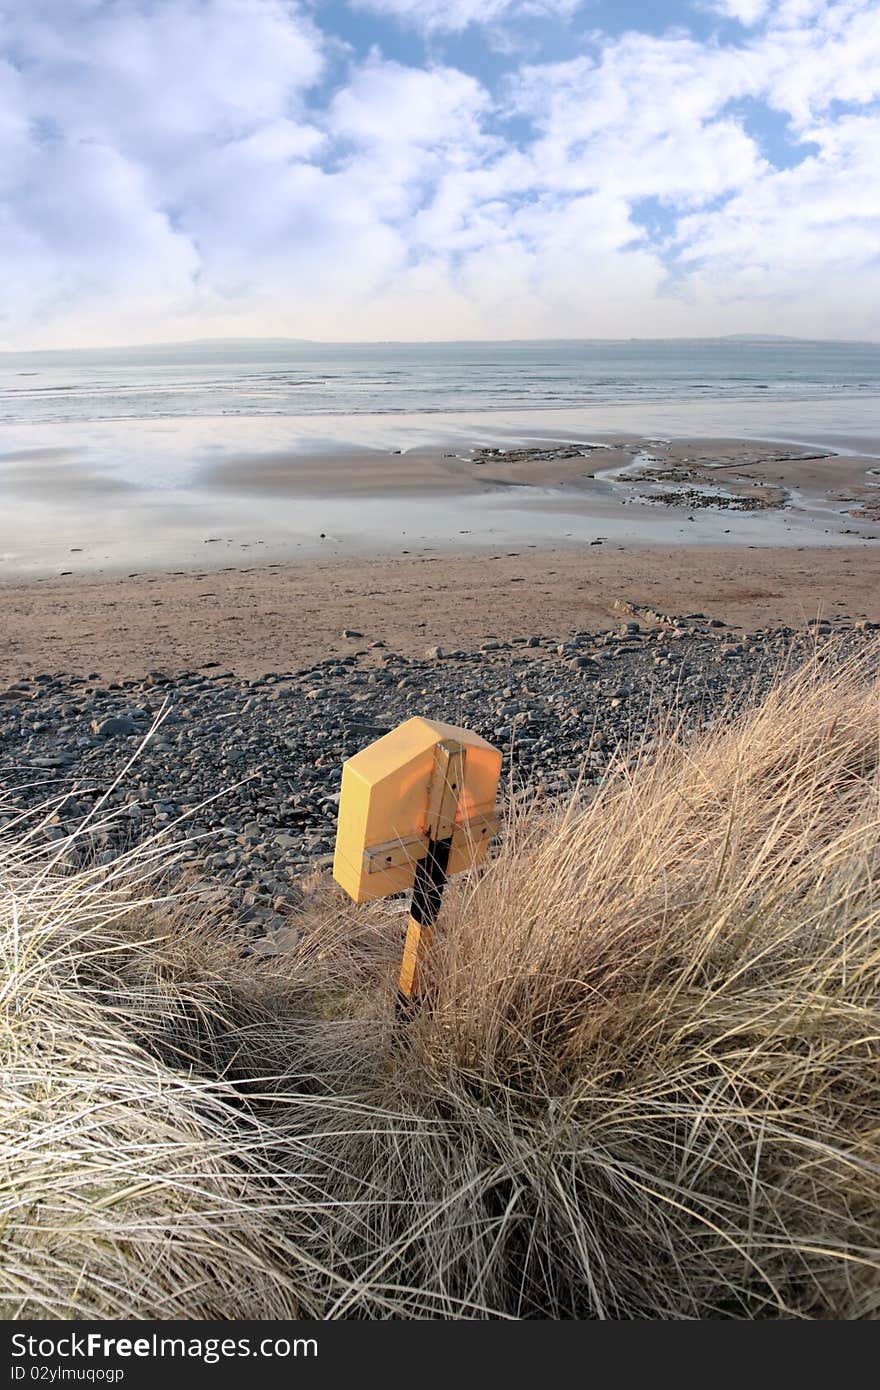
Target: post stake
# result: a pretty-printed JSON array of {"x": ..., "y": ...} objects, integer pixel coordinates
[
  {"x": 431, "y": 871},
  {"x": 424, "y": 910}
]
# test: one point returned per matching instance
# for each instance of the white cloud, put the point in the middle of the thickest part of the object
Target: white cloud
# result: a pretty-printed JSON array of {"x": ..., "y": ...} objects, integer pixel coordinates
[
  {"x": 822, "y": 215},
  {"x": 645, "y": 120},
  {"x": 387, "y": 104},
  {"x": 453, "y": 15},
  {"x": 113, "y": 118},
  {"x": 180, "y": 168},
  {"x": 834, "y": 59},
  {"x": 164, "y": 72},
  {"x": 748, "y": 12}
]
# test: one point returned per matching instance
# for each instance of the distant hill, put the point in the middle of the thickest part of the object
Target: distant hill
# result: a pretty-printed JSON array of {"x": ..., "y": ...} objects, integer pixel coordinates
[
  {"x": 767, "y": 338},
  {"x": 243, "y": 345}
]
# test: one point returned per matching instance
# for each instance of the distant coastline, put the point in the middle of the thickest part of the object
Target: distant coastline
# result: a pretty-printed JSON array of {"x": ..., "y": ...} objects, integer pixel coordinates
[{"x": 232, "y": 344}]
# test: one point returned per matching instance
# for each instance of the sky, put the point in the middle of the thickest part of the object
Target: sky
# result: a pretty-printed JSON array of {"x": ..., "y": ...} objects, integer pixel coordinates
[{"x": 437, "y": 169}]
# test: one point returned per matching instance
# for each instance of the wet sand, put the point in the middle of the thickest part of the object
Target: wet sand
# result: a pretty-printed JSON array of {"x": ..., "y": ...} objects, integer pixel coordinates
[
  {"x": 580, "y": 464},
  {"x": 449, "y": 544},
  {"x": 66, "y": 512},
  {"x": 283, "y": 617}
]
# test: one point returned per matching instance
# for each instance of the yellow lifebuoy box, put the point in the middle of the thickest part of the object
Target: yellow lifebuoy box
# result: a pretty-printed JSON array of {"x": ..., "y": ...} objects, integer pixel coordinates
[{"x": 424, "y": 782}]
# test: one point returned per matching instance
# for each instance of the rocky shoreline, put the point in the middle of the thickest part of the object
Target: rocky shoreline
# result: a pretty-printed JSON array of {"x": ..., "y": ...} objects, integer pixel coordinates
[{"x": 248, "y": 771}]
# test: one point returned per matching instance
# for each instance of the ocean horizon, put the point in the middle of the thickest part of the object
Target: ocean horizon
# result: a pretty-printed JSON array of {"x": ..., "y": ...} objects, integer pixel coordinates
[{"x": 299, "y": 378}]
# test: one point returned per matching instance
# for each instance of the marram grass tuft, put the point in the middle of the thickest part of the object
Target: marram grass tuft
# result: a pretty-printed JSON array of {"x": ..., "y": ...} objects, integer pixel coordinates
[{"x": 645, "y": 1083}]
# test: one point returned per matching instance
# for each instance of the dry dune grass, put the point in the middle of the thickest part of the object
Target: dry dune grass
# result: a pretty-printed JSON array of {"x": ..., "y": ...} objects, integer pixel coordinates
[
  {"x": 645, "y": 1084},
  {"x": 129, "y": 1185}
]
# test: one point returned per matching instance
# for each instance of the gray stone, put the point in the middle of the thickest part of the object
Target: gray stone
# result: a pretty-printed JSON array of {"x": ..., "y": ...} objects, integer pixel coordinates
[
  {"x": 275, "y": 765},
  {"x": 264, "y": 945},
  {"x": 117, "y": 726}
]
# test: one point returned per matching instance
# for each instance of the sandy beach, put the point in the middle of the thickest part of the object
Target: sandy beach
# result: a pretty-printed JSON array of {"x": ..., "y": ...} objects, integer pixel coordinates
[
  {"x": 450, "y": 546},
  {"x": 254, "y": 620}
]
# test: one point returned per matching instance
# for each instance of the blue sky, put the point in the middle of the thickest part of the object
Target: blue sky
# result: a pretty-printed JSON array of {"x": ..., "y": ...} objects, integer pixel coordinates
[{"x": 373, "y": 169}]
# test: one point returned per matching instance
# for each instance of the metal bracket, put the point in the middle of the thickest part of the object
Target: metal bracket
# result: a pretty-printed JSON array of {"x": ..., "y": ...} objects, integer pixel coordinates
[{"x": 395, "y": 854}]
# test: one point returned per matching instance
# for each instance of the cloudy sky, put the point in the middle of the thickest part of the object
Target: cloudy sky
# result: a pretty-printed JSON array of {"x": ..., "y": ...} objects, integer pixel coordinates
[{"x": 369, "y": 169}]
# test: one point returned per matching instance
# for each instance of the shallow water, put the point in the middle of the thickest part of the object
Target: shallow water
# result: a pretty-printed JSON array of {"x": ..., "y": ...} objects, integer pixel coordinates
[{"x": 103, "y": 468}]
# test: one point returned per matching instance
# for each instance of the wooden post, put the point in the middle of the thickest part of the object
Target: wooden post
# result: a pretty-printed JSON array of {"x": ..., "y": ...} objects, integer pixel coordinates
[
  {"x": 415, "y": 807},
  {"x": 431, "y": 871}
]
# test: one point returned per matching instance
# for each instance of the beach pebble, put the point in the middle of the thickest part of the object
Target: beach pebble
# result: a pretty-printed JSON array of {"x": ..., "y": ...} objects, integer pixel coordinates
[
  {"x": 117, "y": 726},
  {"x": 263, "y": 945},
  {"x": 271, "y": 748}
]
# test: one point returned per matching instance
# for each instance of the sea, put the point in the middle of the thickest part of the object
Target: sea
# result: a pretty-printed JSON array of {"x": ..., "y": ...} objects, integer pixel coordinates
[
  {"x": 120, "y": 459},
  {"x": 248, "y": 378}
]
